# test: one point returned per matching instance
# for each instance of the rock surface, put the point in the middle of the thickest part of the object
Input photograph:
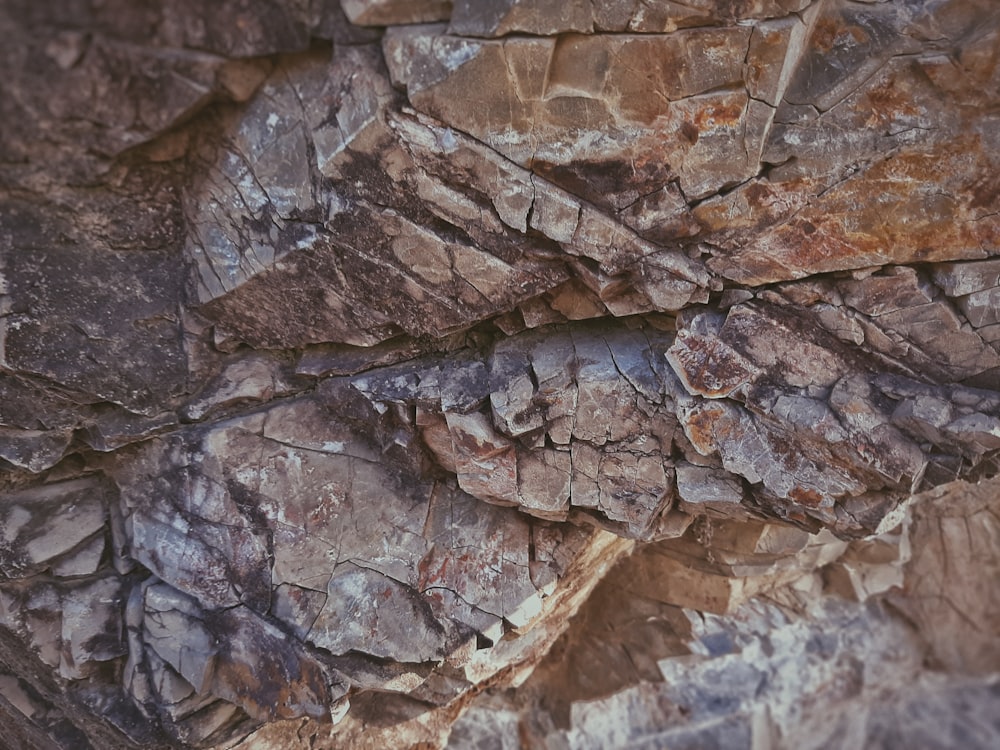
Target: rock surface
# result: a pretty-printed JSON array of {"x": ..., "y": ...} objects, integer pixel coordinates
[
  {"x": 817, "y": 659},
  {"x": 499, "y": 373}
]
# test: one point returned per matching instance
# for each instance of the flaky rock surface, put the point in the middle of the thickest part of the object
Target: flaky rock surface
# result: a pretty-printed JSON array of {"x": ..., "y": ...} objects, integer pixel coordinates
[{"x": 503, "y": 373}]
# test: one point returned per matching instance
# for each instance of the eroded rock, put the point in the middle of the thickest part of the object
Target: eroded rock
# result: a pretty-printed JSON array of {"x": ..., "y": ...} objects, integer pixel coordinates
[{"x": 345, "y": 347}]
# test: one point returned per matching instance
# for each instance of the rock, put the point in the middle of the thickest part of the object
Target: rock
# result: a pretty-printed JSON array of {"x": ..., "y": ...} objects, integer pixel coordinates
[
  {"x": 261, "y": 670},
  {"x": 478, "y": 726},
  {"x": 247, "y": 380},
  {"x": 345, "y": 216},
  {"x": 220, "y": 654},
  {"x": 425, "y": 374},
  {"x": 73, "y": 626},
  {"x": 497, "y": 19},
  {"x": 872, "y": 167},
  {"x": 980, "y": 308},
  {"x": 503, "y": 18},
  {"x": 372, "y": 613},
  {"x": 34, "y": 450},
  {"x": 198, "y": 545},
  {"x": 581, "y": 86},
  {"x": 615, "y": 372},
  {"x": 959, "y": 279},
  {"x": 694, "y": 708},
  {"x": 322, "y": 560},
  {"x": 703, "y": 486},
  {"x": 392, "y": 12},
  {"x": 754, "y": 657},
  {"x": 950, "y": 527},
  {"x": 706, "y": 366},
  {"x": 172, "y": 629},
  {"x": 128, "y": 353},
  {"x": 45, "y": 526}
]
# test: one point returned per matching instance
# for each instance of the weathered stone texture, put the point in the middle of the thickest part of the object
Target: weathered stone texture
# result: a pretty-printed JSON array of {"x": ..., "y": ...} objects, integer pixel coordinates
[
  {"x": 345, "y": 348},
  {"x": 688, "y": 659}
]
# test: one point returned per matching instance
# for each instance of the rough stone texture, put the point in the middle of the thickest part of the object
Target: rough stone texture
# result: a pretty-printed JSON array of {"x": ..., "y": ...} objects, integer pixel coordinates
[
  {"x": 817, "y": 659},
  {"x": 345, "y": 348}
]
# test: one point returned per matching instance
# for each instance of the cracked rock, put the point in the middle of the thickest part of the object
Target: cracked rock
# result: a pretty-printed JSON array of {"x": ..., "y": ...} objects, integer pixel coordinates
[{"x": 499, "y": 373}]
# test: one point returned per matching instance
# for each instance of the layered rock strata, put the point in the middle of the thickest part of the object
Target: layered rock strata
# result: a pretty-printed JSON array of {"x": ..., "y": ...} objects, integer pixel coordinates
[{"x": 345, "y": 348}]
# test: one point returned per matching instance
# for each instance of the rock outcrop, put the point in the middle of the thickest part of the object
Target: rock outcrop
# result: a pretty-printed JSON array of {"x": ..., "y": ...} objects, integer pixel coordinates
[{"x": 501, "y": 373}]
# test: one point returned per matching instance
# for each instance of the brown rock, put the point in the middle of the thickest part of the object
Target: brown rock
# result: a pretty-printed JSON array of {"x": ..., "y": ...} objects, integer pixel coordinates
[{"x": 340, "y": 365}]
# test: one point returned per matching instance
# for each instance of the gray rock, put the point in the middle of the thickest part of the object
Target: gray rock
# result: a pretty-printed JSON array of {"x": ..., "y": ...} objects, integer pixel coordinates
[
  {"x": 45, "y": 527},
  {"x": 959, "y": 279},
  {"x": 368, "y": 612},
  {"x": 172, "y": 627},
  {"x": 703, "y": 485}
]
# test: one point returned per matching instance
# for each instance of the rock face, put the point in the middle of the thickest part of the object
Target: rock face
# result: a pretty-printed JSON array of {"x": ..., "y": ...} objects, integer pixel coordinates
[{"x": 499, "y": 373}]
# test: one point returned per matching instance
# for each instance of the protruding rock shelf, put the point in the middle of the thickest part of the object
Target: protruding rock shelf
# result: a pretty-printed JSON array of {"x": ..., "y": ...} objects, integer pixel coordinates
[{"x": 499, "y": 373}]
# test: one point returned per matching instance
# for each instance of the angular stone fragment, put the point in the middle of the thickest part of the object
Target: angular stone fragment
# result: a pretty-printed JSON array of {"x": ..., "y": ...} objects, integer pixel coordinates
[
  {"x": 267, "y": 674},
  {"x": 703, "y": 486},
  {"x": 878, "y": 295},
  {"x": 131, "y": 89},
  {"x": 233, "y": 29},
  {"x": 632, "y": 491},
  {"x": 954, "y": 529},
  {"x": 782, "y": 368},
  {"x": 555, "y": 213},
  {"x": 566, "y": 386},
  {"x": 959, "y": 279},
  {"x": 236, "y": 656},
  {"x": 706, "y": 147},
  {"x": 755, "y": 454},
  {"x": 980, "y": 308},
  {"x": 46, "y": 525},
  {"x": 173, "y": 629},
  {"x": 373, "y": 614},
  {"x": 297, "y": 606},
  {"x": 496, "y": 19},
  {"x": 253, "y": 379},
  {"x": 197, "y": 543},
  {"x": 513, "y": 16},
  {"x": 544, "y": 482},
  {"x": 898, "y": 314},
  {"x": 485, "y": 462},
  {"x": 298, "y": 225},
  {"x": 84, "y": 560},
  {"x": 871, "y": 567},
  {"x": 110, "y": 427},
  {"x": 91, "y": 626},
  {"x": 74, "y": 627},
  {"x": 982, "y": 431},
  {"x": 707, "y": 366},
  {"x": 34, "y": 450}
]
